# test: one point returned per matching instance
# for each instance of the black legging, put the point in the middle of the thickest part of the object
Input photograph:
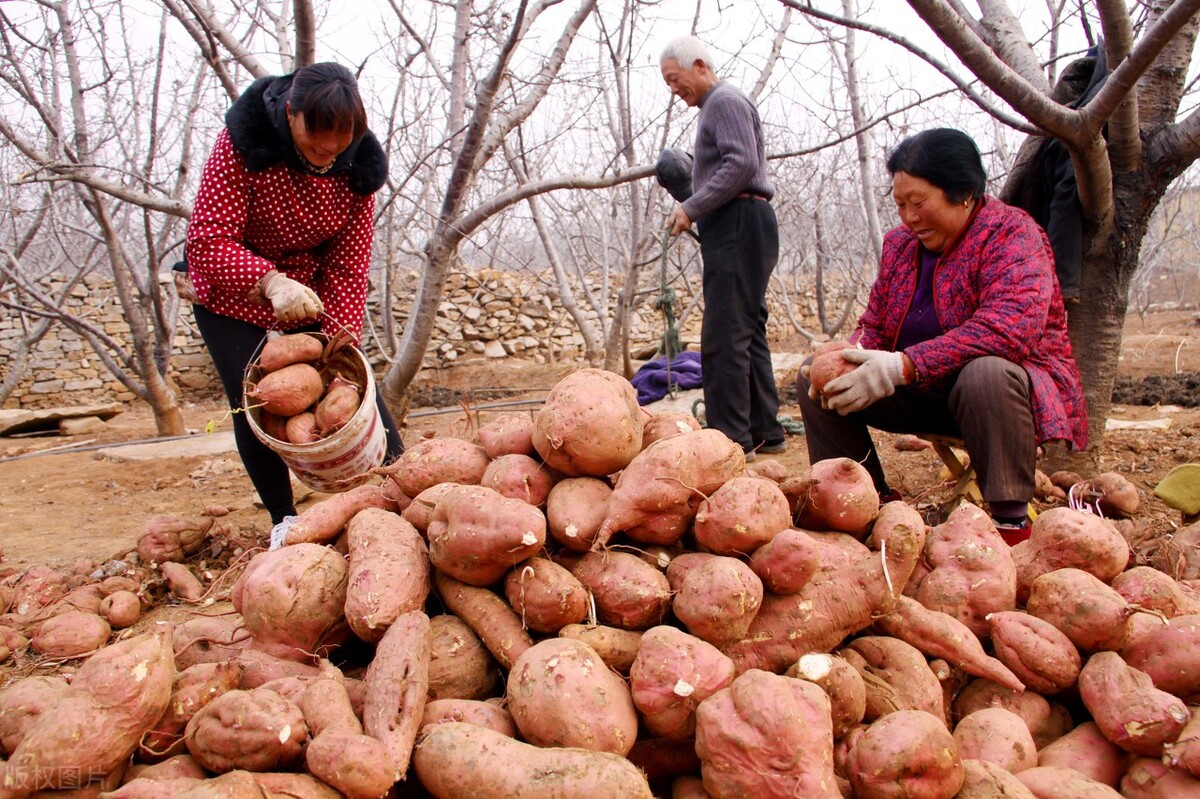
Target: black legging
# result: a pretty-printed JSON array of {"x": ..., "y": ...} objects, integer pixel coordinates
[{"x": 232, "y": 343}]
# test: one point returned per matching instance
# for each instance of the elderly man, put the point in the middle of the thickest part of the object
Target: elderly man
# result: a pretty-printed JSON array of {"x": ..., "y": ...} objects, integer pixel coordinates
[{"x": 739, "y": 243}]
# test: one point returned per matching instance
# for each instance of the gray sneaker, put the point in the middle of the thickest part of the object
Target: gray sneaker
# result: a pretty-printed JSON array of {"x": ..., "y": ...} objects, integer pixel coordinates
[{"x": 279, "y": 531}]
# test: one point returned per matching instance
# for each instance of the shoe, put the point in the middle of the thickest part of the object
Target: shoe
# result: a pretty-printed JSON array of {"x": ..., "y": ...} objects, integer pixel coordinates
[
  {"x": 772, "y": 448},
  {"x": 279, "y": 531},
  {"x": 750, "y": 456},
  {"x": 1013, "y": 534}
]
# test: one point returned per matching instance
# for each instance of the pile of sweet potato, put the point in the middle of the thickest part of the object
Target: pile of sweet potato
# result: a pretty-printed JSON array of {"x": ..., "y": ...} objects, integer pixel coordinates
[
  {"x": 306, "y": 388},
  {"x": 596, "y": 601}
]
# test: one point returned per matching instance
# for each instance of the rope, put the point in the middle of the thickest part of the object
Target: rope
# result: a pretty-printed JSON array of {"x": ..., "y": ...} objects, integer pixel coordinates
[{"x": 670, "y": 344}]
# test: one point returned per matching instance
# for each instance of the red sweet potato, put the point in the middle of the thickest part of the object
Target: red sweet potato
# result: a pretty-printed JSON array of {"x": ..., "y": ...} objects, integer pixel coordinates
[
  {"x": 488, "y": 616},
  {"x": 617, "y": 648},
  {"x": 839, "y": 496},
  {"x": 1184, "y": 752},
  {"x": 545, "y": 595},
  {"x": 1086, "y": 750},
  {"x": 896, "y": 676},
  {"x": 1115, "y": 495},
  {"x": 353, "y": 763},
  {"x": 397, "y": 688},
  {"x": 437, "y": 460},
  {"x": 121, "y": 609},
  {"x": 842, "y": 682},
  {"x": 1151, "y": 779},
  {"x": 664, "y": 424},
  {"x": 658, "y": 493},
  {"x": 905, "y": 754},
  {"x": 21, "y": 703},
  {"x": 70, "y": 634},
  {"x": 201, "y": 639},
  {"x": 983, "y": 780},
  {"x": 288, "y": 391},
  {"x": 575, "y": 510},
  {"x": 477, "y": 535},
  {"x": 458, "y": 760},
  {"x": 1047, "y": 722},
  {"x": 182, "y": 582},
  {"x": 302, "y": 428},
  {"x": 741, "y": 516},
  {"x": 485, "y": 714},
  {"x": 171, "y": 538},
  {"x": 1086, "y": 610},
  {"x": 827, "y": 364},
  {"x": 787, "y": 562},
  {"x": 1041, "y": 655},
  {"x": 629, "y": 593},
  {"x": 256, "y": 730},
  {"x": 1151, "y": 589},
  {"x": 560, "y": 693},
  {"x": 324, "y": 520},
  {"x": 1168, "y": 655},
  {"x": 419, "y": 512},
  {"x": 590, "y": 424},
  {"x": 388, "y": 571},
  {"x": 290, "y": 348},
  {"x": 507, "y": 434},
  {"x": 460, "y": 667},
  {"x": 519, "y": 477},
  {"x": 672, "y": 674},
  {"x": 1126, "y": 706},
  {"x": 767, "y": 736},
  {"x": 1049, "y": 782},
  {"x": 997, "y": 736},
  {"x": 718, "y": 599},
  {"x": 1065, "y": 538},
  {"x": 337, "y": 406},
  {"x": 193, "y": 688}
]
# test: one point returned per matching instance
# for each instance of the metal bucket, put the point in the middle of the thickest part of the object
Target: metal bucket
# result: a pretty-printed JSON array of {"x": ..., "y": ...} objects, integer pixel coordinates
[{"x": 343, "y": 459}]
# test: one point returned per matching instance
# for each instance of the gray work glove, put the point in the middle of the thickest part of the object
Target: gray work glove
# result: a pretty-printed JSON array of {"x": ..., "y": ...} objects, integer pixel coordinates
[
  {"x": 290, "y": 299},
  {"x": 877, "y": 376}
]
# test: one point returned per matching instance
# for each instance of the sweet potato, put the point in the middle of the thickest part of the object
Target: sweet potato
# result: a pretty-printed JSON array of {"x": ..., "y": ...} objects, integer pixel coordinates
[
  {"x": 145, "y": 788},
  {"x": 70, "y": 634},
  {"x": 1168, "y": 655},
  {"x": 261, "y": 668},
  {"x": 337, "y": 407},
  {"x": 1065, "y": 538},
  {"x": 766, "y": 736},
  {"x": 302, "y": 428},
  {"x": 121, "y": 609},
  {"x": 1086, "y": 750},
  {"x": 326, "y": 704},
  {"x": 941, "y": 635},
  {"x": 827, "y": 364},
  {"x": 507, "y": 434},
  {"x": 388, "y": 571},
  {"x": 288, "y": 349},
  {"x": 741, "y": 516},
  {"x": 182, "y": 582},
  {"x": 21, "y": 703},
  {"x": 688, "y": 787},
  {"x": 485, "y": 714},
  {"x": 419, "y": 512},
  {"x": 488, "y": 616},
  {"x": 293, "y": 786},
  {"x": 1178, "y": 554},
  {"x": 664, "y": 424},
  {"x": 256, "y": 730},
  {"x": 834, "y": 604},
  {"x": 353, "y": 763},
  {"x": 519, "y": 477},
  {"x": 672, "y": 674},
  {"x": 617, "y": 648},
  {"x": 1126, "y": 706},
  {"x": 560, "y": 693},
  {"x": 457, "y": 760},
  {"x": 629, "y": 593},
  {"x": 718, "y": 600},
  {"x": 997, "y": 736},
  {"x": 1036, "y": 651},
  {"x": 1113, "y": 492},
  {"x": 287, "y": 391},
  {"x": 896, "y": 676},
  {"x": 116, "y": 696},
  {"x": 838, "y": 496},
  {"x": 545, "y": 595},
  {"x": 193, "y": 688},
  {"x": 575, "y": 510},
  {"x": 787, "y": 562},
  {"x": 843, "y": 684},
  {"x": 1151, "y": 779},
  {"x": 1151, "y": 589},
  {"x": 966, "y": 570},
  {"x": 590, "y": 424},
  {"x": 397, "y": 688},
  {"x": 909, "y": 753},
  {"x": 1049, "y": 782},
  {"x": 201, "y": 639},
  {"x": 477, "y": 534},
  {"x": 983, "y": 780},
  {"x": 323, "y": 521},
  {"x": 437, "y": 460},
  {"x": 460, "y": 667},
  {"x": 1046, "y": 722},
  {"x": 1184, "y": 751},
  {"x": 292, "y": 600},
  {"x": 171, "y": 538},
  {"x": 1086, "y": 610},
  {"x": 658, "y": 493}
]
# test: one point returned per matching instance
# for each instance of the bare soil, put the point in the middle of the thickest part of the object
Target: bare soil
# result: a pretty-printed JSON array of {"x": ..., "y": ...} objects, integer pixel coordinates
[{"x": 73, "y": 502}]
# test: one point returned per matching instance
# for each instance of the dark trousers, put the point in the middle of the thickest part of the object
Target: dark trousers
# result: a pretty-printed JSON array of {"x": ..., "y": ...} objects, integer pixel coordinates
[
  {"x": 987, "y": 407},
  {"x": 739, "y": 243},
  {"x": 232, "y": 343}
]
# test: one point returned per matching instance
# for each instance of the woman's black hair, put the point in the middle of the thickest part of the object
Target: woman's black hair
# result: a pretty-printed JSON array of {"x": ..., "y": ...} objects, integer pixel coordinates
[
  {"x": 945, "y": 157},
  {"x": 326, "y": 96}
]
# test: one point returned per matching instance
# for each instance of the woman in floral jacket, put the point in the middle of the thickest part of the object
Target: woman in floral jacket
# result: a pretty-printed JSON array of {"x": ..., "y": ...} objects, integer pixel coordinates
[
  {"x": 965, "y": 334},
  {"x": 280, "y": 237}
]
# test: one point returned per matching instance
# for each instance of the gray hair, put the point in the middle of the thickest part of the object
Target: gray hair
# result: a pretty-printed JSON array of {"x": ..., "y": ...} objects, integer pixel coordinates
[{"x": 686, "y": 51}]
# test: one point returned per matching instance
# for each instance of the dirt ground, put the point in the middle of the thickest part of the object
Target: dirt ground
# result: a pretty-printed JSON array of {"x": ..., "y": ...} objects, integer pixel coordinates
[{"x": 83, "y": 499}]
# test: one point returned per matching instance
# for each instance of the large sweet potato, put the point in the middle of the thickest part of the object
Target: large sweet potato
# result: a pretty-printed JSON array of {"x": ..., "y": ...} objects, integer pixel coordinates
[
  {"x": 486, "y": 714},
  {"x": 437, "y": 460},
  {"x": 290, "y": 348},
  {"x": 766, "y": 736},
  {"x": 575, "y": 511},
  {"x": 388, "y": 571},
  {"x": 70, "y": 634},
  {"x": 477, "y": 534},
  {"x": 1152, "y": 779},
  {"x": 194, "y": 688},
  {"x": 838, "y": 496},
  {"x": 658, "y": 493},
  {"x": 629, "y": 593},
  {"x": 256, "y": 730},
  {"x": 787, "y": 562},
  {"x": 1087, "y": 611},
  {"x": 672, "y": 674},
  {"x": 519, "y": 477},
  {"x": 21, "y": 703},
  {"x": 590, "y": 425},
  {"x": 457, "y": 760},
  {"x": 397, "y": 688},
  {"x": 289, "y": 390},
  {"x": 1126, "y": 706},
  {"x": 323, "y": 521},
  {"x": 997, "y": 736},
  {"x": 545, "y": 595},
  {"x": 896, "y": 675},
  {"x": 741, "y": 516},
  {"x": 1086, "y": 750},
  {"x": 488, "y": 616},
  {"x": 460, "y": 667},
  {"x": 664, "y": 424},
  {"x": 1051, "y": 782},
  {"x": 909, "y": 753},
  {"x": 841, "y": 681},
  {"x": 1065, "y": 538},
  {"x": 1040, "y": 654},
  {"x": 718, "y": 599},
  {"x": 507, "y": 434},
  {"x": 1168, "y": 654}
]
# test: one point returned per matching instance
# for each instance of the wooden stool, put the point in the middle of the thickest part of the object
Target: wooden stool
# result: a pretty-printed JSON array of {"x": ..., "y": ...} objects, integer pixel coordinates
[{"x": 963, "y": 475}]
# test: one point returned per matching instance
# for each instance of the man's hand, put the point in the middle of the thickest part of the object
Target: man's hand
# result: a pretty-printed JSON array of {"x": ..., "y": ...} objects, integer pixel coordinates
[
  {"x": 290, "y": 299},
  {"x": 678, "y": 221},
  {"x": 876, "y": 377}
]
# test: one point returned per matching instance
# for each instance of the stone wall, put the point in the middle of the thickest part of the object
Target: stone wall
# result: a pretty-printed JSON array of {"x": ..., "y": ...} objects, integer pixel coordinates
[{"x": 483, "y": 314}]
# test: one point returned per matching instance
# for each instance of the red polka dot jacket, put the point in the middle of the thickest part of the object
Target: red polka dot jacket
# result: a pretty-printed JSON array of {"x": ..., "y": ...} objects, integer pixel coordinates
[
  {"x": 995, "y": 293},
  {"x": 258, "y": 209}
]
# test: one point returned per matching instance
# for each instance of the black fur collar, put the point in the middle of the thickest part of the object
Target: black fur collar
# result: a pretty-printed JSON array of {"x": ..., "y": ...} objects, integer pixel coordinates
[{"x": 257, "y": 123}]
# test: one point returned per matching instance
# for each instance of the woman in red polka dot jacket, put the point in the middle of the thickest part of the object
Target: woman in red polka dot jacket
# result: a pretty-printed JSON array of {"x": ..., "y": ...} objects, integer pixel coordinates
[{"x": 280, "y": 237}]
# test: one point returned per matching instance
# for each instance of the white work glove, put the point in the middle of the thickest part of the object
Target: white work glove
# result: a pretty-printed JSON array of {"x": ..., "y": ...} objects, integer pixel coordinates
[
  {"x": 290, "y": 299},
  {"x": 877, "y": 376}
]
